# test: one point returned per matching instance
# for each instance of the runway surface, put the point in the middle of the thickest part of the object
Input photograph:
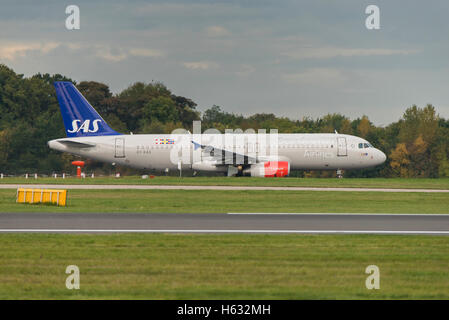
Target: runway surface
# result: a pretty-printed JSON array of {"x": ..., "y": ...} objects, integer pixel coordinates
[
  {"x": 180, "y": 187},
  {"x": 225, "y": 223}
]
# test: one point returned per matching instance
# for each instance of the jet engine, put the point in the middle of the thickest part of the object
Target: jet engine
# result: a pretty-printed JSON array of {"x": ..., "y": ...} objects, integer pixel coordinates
[
  {"x": 269, "y": 169},
  {"x": 208, "y": 165}
]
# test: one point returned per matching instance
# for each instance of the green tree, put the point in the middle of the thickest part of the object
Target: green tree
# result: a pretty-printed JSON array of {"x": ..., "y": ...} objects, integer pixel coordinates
[
  {"x": 162, "y": 109},
  {"x": 400, "y": 160},
  {"x": 5, "y": 138}
]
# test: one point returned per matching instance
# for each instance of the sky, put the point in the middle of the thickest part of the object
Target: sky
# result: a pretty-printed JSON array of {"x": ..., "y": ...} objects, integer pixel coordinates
[{"x": 291, "y": 58}]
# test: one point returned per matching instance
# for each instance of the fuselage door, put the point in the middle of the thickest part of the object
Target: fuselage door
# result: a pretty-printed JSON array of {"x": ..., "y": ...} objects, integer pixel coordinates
[
  {"x": 119, "y": 147},
  {"x": 342, "y": 150}
]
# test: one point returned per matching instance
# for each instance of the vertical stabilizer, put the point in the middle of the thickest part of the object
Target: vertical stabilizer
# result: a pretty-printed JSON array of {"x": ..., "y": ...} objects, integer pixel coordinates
[{"x": 80, "y": 118}]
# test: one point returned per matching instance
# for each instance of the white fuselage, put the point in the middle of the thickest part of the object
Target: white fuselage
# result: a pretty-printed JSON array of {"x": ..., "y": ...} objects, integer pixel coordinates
[{"x": 302, "y": 151}]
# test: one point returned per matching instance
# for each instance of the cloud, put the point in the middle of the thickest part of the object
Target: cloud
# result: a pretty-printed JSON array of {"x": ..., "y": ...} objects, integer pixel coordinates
[
  {"x": 11, "y": 51},
  {"x": 200, "y": 65},
  {"x": 332, "y": 52},
  {"x": 140, "y": 52},
  {"x": 217, "y": 31},
  {"x": 115, "y": 55},
  {"x": 245, "y": 70},
  {"x": 316, "y": 76},
  {"x": 106, "y": 53},
  {"x": 184, "y": 10}
]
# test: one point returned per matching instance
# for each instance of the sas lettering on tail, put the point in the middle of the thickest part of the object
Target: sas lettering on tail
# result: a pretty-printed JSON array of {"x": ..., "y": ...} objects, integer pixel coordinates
[{"x": 85, "y": 126}]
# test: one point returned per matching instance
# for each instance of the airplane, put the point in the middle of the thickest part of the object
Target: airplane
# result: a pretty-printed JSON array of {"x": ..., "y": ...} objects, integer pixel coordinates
[{"x": 231, "y": 154}]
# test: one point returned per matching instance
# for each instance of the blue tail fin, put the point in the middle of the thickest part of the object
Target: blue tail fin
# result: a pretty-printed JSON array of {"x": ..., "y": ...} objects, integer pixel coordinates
[{"x": 80, "y": 118}]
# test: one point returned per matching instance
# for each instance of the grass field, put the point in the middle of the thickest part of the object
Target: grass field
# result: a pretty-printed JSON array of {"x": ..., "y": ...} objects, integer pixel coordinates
[
  {"x": 247, "y": 181},
  {"x": 237, "y": 266},
  {"x": 213, "y": 201},
  {"x": 162, "y": 266}
]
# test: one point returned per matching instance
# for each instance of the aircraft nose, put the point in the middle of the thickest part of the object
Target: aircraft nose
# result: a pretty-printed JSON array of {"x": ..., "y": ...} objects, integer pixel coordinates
[{"x": 381, "y": 157}]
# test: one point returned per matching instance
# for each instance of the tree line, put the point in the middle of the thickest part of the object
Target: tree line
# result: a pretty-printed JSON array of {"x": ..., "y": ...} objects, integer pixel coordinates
[{"x": 417, "y": 145}]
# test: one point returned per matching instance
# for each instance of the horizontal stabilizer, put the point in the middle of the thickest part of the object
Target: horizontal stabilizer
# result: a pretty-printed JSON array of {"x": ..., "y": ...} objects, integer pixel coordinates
[{"x": 77, "y": 144}]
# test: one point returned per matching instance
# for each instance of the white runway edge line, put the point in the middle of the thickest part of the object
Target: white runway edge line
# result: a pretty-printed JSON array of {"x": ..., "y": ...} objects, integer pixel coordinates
[
  {"x": 227, "y": 231},
  {"x": 181, "y": 187},
  {"x": 341, "y": 214}
]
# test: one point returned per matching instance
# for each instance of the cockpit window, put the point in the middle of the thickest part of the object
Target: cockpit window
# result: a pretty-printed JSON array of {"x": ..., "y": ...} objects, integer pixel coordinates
[{"x": 365, "y": 145}]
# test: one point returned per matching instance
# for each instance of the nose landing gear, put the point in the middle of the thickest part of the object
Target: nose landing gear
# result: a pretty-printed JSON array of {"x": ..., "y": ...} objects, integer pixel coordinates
[{"x": 339, "y": 173}]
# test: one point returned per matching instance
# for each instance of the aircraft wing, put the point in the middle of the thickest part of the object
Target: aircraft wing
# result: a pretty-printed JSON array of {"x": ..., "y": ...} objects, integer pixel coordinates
[{"x": 224, "y": 157}]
